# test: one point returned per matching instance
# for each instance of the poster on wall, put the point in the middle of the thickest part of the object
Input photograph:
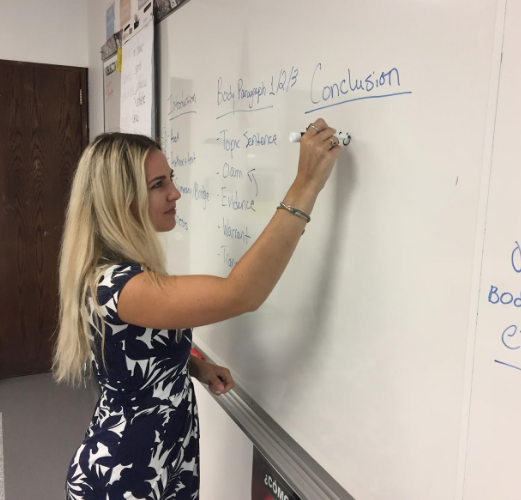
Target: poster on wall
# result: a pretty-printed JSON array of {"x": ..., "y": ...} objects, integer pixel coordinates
[
  {"x": 124, "y": 13},
  {"x": 112, "y": 94},
  {"x": 109, "y": 21},
  {"x": 137, "y": 83},
  {"x": 267, "y": 483},
  {"x": 163, "y": 7}
]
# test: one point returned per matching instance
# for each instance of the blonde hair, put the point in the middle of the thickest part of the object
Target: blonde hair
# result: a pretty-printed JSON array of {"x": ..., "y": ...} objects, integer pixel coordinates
[{"x": 107, "y": 222}]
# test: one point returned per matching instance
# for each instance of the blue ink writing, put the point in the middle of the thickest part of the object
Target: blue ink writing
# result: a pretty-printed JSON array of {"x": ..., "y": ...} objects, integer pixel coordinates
[
  {"x": 176, "y": 105},
  {"x": 230, "y": 145},
  {"x": 516, "y": 258},
  {"x": 200, "y": 194},
  {"x": 508, "y": 334},
  {"x": 361, "y": 88},
  {"x": 235, "y": 173},
  {"x": 251, "y": 176},
  {"x": 234, "y": 203},
  {"x": 352, "y": 84},
  {"x": 228, "y": 260},
  {"x": 181, "y": 222},
  {"x": 183, "y": 162},
  {"x": 234, "y": 233},
  {"x": 184, "y": 190},
  {"x": 260, "y": 140},
  {"x": 224, "y": 95},
  {"x": 505, "y": 298},
  {"x": 253, "y": 94}
]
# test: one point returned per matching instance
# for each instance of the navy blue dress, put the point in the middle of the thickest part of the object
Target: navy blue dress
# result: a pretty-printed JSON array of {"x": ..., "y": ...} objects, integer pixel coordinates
[{"x": 143, "y": 440}]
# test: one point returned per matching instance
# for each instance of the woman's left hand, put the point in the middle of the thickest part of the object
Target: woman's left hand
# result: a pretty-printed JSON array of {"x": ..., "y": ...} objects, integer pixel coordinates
[{"x": 218, "y": 379}]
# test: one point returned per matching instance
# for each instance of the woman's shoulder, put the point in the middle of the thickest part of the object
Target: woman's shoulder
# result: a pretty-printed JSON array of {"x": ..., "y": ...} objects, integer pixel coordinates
[
  {"x": 113, "y": 278},
  {"x": 119, "y": 268}
]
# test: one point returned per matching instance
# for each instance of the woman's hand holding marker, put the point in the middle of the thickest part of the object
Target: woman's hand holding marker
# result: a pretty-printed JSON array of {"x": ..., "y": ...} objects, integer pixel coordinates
[
  {"x": 345, "y": 138},
  {"x": 318, "y": 153}
]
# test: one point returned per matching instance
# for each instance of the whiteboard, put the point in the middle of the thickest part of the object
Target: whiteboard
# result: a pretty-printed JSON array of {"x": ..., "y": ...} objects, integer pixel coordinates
[
  {"x": 494, "y": 438},
  {"x": 360, "y": 352}
]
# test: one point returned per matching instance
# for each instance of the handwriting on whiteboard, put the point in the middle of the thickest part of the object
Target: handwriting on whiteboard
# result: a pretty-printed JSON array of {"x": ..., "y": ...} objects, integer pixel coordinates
[
  {"x": 234, "y": 233},
  {"x": 511, "y": 335},
  {"x": 232, "y": 197},
  {"x": 325, "y": 93},
  {"x": 228, "y": 259},
  {"x": 184, "y": 161},
  {"x": 496, "y": 296},
  {"x": 180, "y": 222},
  {"x": 249, "y": 140},
  {"x": 181, "y": 105},
  {"x": 244, "y": 97}
]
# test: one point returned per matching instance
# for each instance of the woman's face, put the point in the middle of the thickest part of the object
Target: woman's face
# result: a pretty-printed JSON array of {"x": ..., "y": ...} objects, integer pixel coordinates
[{"x": 162, "y": 193}]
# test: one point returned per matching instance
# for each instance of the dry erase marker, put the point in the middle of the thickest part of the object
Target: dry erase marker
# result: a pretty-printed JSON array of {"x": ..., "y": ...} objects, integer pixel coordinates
[{"x": 295, "y": 137}]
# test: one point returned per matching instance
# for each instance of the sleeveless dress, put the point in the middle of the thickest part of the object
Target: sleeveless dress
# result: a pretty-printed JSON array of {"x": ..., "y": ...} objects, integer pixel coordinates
[{"x": 143, "y": 440}]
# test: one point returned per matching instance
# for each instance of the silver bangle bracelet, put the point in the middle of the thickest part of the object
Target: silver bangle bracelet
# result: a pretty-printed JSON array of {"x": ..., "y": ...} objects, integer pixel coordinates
[{"x": 295, "y": 211}]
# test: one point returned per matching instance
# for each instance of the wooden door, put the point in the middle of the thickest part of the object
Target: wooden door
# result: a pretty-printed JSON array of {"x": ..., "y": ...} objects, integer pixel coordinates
[{"x": 43, "y": 131}]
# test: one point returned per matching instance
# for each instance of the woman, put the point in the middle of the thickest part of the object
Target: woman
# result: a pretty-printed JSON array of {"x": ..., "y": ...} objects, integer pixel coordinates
[{"x": 132, "y": 322}]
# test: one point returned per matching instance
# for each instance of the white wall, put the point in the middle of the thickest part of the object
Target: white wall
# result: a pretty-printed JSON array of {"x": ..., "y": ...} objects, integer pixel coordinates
[{"x": 44, "y": 31}]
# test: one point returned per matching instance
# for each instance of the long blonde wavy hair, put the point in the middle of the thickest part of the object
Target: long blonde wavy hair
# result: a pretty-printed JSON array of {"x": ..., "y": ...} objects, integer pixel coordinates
[{"x": 107, "y": 222}]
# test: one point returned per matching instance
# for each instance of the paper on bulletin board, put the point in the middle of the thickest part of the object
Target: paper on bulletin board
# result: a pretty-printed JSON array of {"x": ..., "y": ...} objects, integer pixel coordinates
[
  {"x": 109, "y": 21},
  {"x": 124, "y": 13},
  {"x": 112, "y": 94},
  {"x": 137, "y": 83}
]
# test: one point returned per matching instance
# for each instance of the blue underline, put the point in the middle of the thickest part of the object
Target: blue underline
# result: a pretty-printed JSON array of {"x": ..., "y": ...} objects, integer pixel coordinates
[
  {"x": 243, "y": 111},
  {"x": 185, "y": 113},
  {"x": 357, "y": 99},
  {"x": 506, "y": 364}
]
